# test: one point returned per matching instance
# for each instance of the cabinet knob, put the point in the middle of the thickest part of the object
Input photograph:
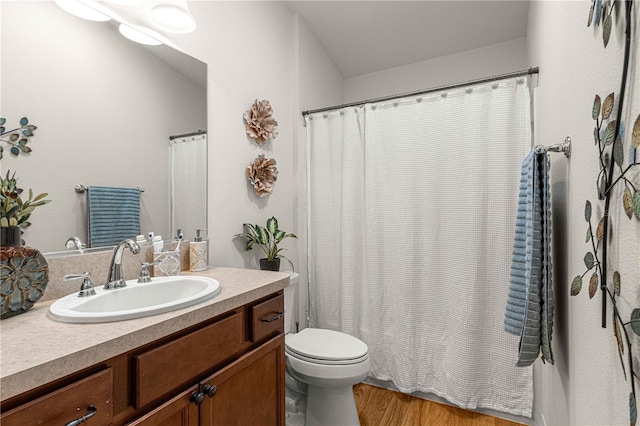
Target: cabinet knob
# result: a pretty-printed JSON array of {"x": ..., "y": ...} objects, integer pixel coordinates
[
  {"x": 92, "y": 412},
  {"x": 210, "y": 390},
  {"x": 197, "y": 398}
]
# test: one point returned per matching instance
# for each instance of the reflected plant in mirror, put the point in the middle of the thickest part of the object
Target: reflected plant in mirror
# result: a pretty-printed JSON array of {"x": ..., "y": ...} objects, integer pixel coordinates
[{"x": 14, "y": 211}]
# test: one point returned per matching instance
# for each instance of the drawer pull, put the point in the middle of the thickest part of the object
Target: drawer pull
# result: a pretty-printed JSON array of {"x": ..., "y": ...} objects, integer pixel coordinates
[
  {"x": 92, "y": 412},
  {"x": 275, "y": 317},
  {"x": 210, "y": 390},
  {"x": 197, "y": 398}
]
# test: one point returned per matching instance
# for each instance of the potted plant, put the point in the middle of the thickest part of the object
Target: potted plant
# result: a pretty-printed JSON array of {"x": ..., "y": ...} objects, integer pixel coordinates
[
  {"x": 268, "y": 239},
  {"x": 14, "y": 211}
]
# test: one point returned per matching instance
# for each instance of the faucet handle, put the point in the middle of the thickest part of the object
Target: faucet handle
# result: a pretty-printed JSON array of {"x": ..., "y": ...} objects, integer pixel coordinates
[
  {"x": 86, "y": 288},
  {"x": 144, "y": 276}
]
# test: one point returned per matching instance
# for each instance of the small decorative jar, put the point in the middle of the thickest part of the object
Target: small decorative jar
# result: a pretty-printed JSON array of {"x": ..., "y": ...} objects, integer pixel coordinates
[{"x": 24, "y": 274}]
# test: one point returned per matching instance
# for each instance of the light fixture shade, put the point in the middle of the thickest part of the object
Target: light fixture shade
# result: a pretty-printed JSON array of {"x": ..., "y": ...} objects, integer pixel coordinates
[
  {"x": 140, "y": 34},
  {"x": 85, "y": 9},
  {"x": 173, "y": 16}
]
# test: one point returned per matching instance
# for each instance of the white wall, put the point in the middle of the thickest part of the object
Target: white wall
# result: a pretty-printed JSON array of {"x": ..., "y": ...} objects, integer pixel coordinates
[
  {"x": 473, "y": 64},
  {"x": 257, "y": 50},
  {"x": 586, "y": 385}
]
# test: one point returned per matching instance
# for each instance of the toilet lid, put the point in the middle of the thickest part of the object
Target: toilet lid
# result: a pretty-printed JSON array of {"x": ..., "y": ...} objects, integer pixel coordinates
[{"x": 326, "y": 345}]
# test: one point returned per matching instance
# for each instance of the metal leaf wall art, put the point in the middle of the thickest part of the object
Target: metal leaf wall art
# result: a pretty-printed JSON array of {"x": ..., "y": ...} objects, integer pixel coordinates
[{"x": 615, "y": 170}]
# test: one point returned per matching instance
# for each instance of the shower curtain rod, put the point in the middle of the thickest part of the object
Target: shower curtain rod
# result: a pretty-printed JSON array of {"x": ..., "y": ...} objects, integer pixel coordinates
[
  {"x": 530, "y": 71},
  {"x": 199, "y": 132}
]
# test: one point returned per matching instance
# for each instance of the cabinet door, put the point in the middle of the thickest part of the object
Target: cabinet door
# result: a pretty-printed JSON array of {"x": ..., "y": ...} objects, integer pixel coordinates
[
  {"x": 250, "y": 391},
  {"x": 178, "y": 411}
]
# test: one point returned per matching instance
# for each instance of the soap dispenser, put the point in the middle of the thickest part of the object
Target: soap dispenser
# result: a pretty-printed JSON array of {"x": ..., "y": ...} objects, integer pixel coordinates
[{"x": 198, "y": 252}]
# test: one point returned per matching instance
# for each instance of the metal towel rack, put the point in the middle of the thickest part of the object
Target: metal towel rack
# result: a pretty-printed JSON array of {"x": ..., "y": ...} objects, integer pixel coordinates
[
  {"x": 560, "y": 147},
  {"x": 81, "y": 189}
]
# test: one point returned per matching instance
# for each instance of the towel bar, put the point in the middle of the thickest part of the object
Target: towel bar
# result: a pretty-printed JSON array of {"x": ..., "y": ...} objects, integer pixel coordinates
[
  {"x": 81, "y": 189},
  {"x": 561, "y": 147}
]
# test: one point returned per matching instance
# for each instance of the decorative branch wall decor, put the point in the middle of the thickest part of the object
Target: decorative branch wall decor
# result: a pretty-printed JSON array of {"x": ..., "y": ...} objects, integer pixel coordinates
[
  {"x": 261, "y": 125},
  {"x": 16, "y": 138},
  {"x": 615, "y": 170},
  {"x": 262, "y": 173}
]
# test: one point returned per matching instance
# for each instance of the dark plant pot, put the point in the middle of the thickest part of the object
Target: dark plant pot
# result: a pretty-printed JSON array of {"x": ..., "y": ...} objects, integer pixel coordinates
[
  {"x": 270, "y": 265},
  {"x": 10, "y": 236},
  {"x": 24, "y": 274}
]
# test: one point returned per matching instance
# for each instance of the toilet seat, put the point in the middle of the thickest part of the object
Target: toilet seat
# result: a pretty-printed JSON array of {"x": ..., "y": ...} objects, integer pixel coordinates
[{"x": 326, "y": 347}]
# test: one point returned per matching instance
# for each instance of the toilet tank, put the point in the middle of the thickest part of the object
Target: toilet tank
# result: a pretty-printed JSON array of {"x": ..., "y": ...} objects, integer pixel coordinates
[{"x": 289, "y": 298}]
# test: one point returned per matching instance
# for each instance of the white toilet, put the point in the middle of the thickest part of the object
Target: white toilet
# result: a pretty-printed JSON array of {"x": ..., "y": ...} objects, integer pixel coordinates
[{"x": 322, "y": 365}]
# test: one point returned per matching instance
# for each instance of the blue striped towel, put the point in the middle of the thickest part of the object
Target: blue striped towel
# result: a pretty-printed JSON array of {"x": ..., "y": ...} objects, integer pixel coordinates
[
  {"x": 530, "y": 305},
  {"x": 113, "y": 214}
]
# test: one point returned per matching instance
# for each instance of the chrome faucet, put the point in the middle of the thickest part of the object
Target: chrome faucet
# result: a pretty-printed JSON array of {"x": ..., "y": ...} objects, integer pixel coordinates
[
  {"x": 114, "y": 279},
  {"x": 74, "y": 242}
]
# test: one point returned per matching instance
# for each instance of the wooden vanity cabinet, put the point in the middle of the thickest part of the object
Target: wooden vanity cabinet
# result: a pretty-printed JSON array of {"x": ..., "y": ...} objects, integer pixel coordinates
[{"x": 225, "y": 371}]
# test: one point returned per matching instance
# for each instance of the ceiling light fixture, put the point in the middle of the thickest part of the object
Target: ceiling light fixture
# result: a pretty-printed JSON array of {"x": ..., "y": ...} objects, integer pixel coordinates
[
  {"x": 173, "y": 16},
  {"x": 140, "y": 34},
  {"x": 85, "y": 9}
]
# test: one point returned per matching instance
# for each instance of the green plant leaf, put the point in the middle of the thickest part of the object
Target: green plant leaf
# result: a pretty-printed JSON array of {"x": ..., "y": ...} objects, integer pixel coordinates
[
  {"x": 588, "y": 235},
  {"x": 633, "y": 409},
  {"x": 587, "y": 211},
  {"x": 591, "y": 10},
  {"x": 607, "y": 106},
  {"x": 618, "y": 153},
  {"x": 635, "y": 321},
  {"x": 595, "y": 112},
  {"x": 627, "y": 202},
  {"x": 576, "y": 285},
  {"x": 24, "y": 121},
  {"x": 635, "y": 134},
  {"x": 279, "y": 235},
  {"x": 636, "y": 204},
  {"x": 262, "y": 234},
  {"x": 616, "y": 283},
  {"x": 593, "y": 285},
  {"x": 272, "y": 225},
  {"x": 589, "y": 260},
  {"x": 609, "y": 133},
  {"x": 606, "y": 29}
]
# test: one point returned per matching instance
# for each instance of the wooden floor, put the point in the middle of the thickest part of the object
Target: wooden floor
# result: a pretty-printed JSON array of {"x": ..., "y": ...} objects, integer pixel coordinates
[{"x": 383, "y": 407}]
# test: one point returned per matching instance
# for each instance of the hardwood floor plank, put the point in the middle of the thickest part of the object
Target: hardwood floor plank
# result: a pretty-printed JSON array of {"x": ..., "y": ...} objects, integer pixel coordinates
[
  {"x": 413, "y": 412},
  {"x": 384, "y": 407},
  {"x": 436, "y": 414},
  {"x": 483, "y": 420}
]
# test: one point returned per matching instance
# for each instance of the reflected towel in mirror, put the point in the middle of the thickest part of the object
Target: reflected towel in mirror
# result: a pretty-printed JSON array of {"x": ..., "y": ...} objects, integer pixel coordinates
[{"x": 113, "y": 214}]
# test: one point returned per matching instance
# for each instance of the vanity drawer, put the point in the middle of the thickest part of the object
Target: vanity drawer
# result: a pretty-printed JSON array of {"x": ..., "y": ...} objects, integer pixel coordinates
[
  {"x": 174, "y": 364},
  {"x": 267, "y": 318},
  {"x": 68, "y": 403}
]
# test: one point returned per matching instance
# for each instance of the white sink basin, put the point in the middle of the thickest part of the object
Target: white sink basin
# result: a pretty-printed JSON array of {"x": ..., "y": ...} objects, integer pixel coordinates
[{"x": 162, "y": 294}]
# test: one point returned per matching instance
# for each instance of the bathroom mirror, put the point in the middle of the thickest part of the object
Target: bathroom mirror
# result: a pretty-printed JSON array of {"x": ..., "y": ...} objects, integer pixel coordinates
[{"x": 105, "y": 108}]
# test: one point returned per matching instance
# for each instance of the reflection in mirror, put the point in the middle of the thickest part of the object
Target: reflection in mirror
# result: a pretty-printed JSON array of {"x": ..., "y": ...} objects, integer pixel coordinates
[{"x": 105, "y": 109}]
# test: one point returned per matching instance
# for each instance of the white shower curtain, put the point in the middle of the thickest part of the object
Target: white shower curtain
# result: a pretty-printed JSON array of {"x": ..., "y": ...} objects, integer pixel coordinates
[
  {"x": 189, "y": 185},
  {"x": 412, "y": 209}
]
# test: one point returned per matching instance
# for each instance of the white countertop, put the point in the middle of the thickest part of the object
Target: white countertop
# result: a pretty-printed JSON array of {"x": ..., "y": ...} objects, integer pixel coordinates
[{"x": 34, "y": 349}]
